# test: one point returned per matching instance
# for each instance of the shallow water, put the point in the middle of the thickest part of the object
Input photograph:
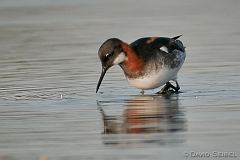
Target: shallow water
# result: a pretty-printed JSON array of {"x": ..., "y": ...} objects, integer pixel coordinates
[{"x": 49, "y": 69}]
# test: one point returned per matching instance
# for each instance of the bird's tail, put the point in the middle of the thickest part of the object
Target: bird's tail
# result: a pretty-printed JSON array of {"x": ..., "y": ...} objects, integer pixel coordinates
[
  {"x": 179, "y": 44},
  {"x": 177, "y": 37}
]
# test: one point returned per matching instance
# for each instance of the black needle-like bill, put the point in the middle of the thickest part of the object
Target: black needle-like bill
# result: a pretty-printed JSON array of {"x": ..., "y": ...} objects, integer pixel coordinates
[{"x": 104, "y": 70}]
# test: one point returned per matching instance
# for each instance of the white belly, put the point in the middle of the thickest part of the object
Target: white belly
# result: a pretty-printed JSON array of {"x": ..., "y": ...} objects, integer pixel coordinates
[{"x": 154, "y": 79}]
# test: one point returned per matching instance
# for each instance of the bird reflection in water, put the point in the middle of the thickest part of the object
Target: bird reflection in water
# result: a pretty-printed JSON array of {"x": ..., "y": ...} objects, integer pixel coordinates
[{"x": 146, "y": 114}]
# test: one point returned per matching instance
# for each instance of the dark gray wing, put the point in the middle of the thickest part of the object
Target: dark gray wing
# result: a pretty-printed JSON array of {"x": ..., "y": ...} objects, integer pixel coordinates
[{"x": 147, "y": 48}]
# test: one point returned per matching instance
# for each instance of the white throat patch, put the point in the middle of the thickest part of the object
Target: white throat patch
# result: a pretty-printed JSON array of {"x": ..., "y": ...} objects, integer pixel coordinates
[{"x": 119, "y": 59}]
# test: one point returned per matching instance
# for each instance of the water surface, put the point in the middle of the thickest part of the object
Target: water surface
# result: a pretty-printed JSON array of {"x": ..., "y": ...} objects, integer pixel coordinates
[{"x": 49, "y": 69}]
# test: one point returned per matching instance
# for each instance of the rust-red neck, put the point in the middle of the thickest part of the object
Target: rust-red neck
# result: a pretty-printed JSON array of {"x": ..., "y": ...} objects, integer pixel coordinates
[{"x": 133, "y": 63}]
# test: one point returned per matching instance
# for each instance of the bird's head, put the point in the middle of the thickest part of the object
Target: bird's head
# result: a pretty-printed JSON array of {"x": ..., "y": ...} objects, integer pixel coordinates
[{"x": 110, "y": 53}]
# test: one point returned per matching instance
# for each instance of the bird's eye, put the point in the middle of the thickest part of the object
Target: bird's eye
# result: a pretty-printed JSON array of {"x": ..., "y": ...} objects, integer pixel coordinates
[{"x": 109, "y": 54}]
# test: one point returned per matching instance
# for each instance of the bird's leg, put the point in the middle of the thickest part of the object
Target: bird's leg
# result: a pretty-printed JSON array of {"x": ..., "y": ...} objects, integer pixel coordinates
[
  {"x": 168, "y": 86},
  {"x": 142, "y": 92},
  {"x": 165, "y": 88},
  {"x": 177, "y": 87}
]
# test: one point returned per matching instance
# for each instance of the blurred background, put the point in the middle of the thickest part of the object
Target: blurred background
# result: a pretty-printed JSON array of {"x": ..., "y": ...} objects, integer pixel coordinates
[{"x": 49, "y": 69}]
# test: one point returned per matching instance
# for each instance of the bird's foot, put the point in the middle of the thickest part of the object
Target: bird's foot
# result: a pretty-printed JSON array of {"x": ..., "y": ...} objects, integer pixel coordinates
[
  {"x": 142, "y": 92},
  {"x": 169, "y": 89}
]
